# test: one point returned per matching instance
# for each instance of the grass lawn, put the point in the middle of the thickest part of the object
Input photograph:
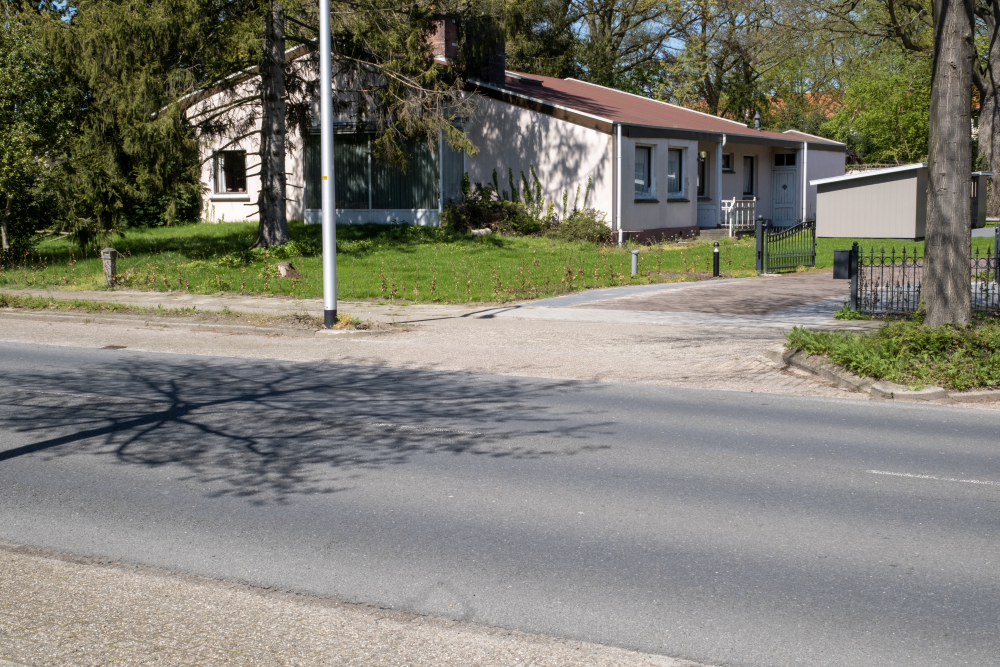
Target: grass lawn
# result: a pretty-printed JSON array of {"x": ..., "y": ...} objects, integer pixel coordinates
[
  {"x": 396, "y": 263},
  {"x": 908, "y": 353}
]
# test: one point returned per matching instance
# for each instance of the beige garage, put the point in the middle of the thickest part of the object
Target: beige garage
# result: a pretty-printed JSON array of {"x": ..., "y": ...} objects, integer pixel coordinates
[{"x": 884, "y": 203}]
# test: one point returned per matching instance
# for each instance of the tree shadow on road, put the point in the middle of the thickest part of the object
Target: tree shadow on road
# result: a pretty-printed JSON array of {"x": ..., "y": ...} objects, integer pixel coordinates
[{"x": 270, "y": 431}]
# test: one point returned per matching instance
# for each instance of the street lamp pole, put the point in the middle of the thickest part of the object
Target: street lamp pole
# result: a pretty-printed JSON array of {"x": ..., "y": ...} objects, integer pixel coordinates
[{"x": 328, "y": 216}]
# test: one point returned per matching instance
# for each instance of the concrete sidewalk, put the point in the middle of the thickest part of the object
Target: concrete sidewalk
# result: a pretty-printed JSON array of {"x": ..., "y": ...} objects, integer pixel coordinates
[
  {"x": 60, "y": 611},
  {"x": 781, "y": 302}
]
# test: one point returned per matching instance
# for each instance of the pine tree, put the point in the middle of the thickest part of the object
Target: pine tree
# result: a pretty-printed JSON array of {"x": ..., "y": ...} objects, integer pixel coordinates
[{"x": 35, "y": 114}]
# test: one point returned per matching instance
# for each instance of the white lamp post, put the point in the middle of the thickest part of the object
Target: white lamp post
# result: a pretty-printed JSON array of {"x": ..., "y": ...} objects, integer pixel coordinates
[{"x": 328, "y": 216}]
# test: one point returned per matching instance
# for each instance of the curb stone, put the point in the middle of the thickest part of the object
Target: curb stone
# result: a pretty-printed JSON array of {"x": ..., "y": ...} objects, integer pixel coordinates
[
  {"x": 177, "y": 323},
  {"x": 883, "y": 389},
  {"x": 782, "y": 356},
  {"x": 975, "y": 395},
  {"x": 819, "y": 366}
]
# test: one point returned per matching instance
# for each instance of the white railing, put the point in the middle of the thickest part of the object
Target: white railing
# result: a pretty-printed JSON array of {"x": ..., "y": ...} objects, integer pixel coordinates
[{"x": 740, "y": 214}]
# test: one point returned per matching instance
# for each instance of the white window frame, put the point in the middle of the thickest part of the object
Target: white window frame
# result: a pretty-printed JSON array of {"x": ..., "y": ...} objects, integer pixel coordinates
[
  {"x": 728, "y": 157},
  {"x": 650, "y": 193},
  {"x": 218, "y": 188}
]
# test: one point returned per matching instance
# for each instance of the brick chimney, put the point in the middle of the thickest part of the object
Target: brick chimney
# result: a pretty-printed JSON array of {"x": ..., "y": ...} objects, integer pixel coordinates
[
  {"x": 445, "y": 40},
  {"x": 487, "y": 65},
  {"x": 492, "y": 62}
]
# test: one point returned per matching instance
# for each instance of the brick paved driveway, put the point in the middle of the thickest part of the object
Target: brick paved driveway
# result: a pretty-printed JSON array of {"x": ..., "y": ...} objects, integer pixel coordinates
[{"x": 750, "y": 296}]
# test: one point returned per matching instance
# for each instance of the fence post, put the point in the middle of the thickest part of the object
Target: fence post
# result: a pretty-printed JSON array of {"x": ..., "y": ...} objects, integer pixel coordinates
[
  {"x": 853, "y": 272},
  {"x": 996, "y": 249},
  {"x": 813, "y": 230},
  {"x": 759, "y": 231},
  {"x": 109, "y": 258}
]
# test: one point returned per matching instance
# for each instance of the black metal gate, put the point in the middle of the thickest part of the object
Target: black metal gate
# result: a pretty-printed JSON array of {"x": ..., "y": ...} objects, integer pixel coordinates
[{"x": 785, "y": 248}]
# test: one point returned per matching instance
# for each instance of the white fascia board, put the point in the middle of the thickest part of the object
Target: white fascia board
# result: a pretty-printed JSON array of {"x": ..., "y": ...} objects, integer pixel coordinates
[
  {"x": 823, "y": 139},
  {"x": 537, "y": 101},
  {"x": 668, "y": 104},
  {"x": 866, "y": 174}
]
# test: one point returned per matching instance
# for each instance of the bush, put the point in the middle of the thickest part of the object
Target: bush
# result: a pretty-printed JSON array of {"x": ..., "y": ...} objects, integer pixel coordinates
[
  {"x": 583, "y": 225},
  {"x": 482, "y": 209},
  {"x": 906, "y": 352}
]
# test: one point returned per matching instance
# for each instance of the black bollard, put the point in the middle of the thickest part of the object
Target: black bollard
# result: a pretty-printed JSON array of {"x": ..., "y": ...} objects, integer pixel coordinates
[{"x": 715, "y": 261}]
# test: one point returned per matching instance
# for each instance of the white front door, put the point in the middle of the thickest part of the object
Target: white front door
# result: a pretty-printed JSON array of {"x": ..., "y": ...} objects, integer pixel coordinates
[{"x": 783, "y": 197}]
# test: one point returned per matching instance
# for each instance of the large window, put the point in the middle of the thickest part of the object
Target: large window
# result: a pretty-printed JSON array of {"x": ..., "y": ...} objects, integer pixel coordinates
[
  {"x": 644, "y": 172},
  {"x": 230, "y": 172},
  {"x": 702, "y": 174},
  {"x": 675, "y": 172},
  {"x": 362, "y": 182},
  {"x": 749, "y": 184}
]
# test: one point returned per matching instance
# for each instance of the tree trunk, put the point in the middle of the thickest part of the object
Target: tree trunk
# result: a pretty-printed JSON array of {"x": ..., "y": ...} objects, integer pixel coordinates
[
  {"x": 945, "y": 284},
  {"x": 5, "y": 225},
  {"x": 273, "y": 228},
  {"x": 989, "y": 121}
]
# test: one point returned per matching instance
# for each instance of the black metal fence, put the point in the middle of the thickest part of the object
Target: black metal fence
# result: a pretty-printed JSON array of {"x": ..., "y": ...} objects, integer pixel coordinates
[
  {"x": 785, "y": 248},
  {"x": 888, "y": 282}
]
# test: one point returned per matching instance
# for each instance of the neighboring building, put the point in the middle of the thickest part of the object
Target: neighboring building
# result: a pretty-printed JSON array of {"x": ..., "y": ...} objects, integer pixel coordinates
[
  {"x": 888, "y": 203},
  {"x": 656, "y": 169}
]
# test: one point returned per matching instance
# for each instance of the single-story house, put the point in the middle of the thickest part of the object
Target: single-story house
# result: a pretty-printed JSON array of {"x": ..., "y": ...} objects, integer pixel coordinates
[
  {"x": 888, "y": 203},
  {"x": 655, "y": 169}
]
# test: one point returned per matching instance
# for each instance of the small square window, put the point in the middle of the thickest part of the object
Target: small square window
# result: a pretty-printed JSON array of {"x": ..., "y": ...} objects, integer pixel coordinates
[
  {"x": 675, "y": 167},
  {"x": 230, "y": 172},
  {"x": 784, "y": 160},
  {"x": 643, "y": 171},
  {"x": 727, "y": 163}
]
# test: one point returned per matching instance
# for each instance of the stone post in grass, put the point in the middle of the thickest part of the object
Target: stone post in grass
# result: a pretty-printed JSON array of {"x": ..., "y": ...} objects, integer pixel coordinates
[{"x": 109, "y": 257}]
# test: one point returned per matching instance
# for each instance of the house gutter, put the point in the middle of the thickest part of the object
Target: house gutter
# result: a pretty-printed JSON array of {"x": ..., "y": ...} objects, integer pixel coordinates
[
  {"x": 440, "y": 175},
  {"x": 618, "y": 213}
]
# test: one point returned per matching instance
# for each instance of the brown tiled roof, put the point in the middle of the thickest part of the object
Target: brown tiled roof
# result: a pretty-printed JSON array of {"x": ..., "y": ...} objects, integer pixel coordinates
[{"x": 619, "y": 107}]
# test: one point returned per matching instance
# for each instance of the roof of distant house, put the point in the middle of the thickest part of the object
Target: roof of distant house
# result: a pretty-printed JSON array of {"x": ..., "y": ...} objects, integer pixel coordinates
[{"x": 615, "y": 106}]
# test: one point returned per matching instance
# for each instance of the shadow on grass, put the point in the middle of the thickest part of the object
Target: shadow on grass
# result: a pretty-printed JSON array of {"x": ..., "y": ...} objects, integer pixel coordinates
[{"x": 268, "y": 432}]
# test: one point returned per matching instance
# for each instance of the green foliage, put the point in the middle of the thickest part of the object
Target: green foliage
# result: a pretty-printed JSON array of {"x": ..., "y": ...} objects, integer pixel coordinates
[
  {"x": 886, "y": 111},
  {"x": 482, "y": 209},
  {"x": 207, "y": 258},
  {"x": 906, "y": 352},
  {"x": 583, "y": 225},
  {"x": 36, "y": 117},
  {"x": 132, "y": 158},
  {"x": 845, "y": 312}
]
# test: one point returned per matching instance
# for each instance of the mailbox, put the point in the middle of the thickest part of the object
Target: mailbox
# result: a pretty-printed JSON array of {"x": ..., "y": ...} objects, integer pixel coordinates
[{"x": 841, "y": 264}]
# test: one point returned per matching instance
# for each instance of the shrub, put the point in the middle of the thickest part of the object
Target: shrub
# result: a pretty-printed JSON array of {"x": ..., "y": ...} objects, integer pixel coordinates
[
  {"x": 482, "y": 209},
  {"x": 583, "y": 225},
  {"x": 906, "y": 352}
]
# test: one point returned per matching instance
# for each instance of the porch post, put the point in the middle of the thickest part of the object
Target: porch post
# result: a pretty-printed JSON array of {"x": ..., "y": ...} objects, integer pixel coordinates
[
  {"x": 718, "y": 179},
  {"x": 805, "y": 180}
]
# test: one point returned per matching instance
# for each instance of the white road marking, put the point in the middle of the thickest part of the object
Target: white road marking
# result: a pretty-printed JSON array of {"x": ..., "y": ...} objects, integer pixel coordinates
[{"x": 938, "y": 479}]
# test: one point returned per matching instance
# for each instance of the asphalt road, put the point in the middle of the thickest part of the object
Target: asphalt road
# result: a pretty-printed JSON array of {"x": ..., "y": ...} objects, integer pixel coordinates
[{"x": 728, "y": 528}]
